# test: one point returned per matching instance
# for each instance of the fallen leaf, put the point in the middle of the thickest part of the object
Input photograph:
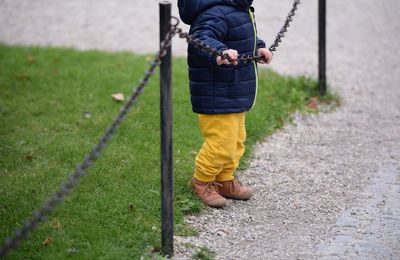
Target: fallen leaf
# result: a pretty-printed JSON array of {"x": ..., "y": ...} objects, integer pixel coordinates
[
  {"x": 31, "y": 59},
  {"x": 118, "y": 96},
  {"x": 57, "y": 225},
  {"x": 312, "y": 103},
  {"x": 156, "y": 249},
  {"x": 47, "y": 241}
]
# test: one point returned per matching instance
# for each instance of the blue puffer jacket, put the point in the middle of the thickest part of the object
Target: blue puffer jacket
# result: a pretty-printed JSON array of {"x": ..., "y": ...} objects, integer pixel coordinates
[{"x": 222, "y": 24}]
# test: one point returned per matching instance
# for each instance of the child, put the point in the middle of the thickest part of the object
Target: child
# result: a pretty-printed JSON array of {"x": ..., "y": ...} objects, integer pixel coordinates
[{"x": 221, "y": 92}]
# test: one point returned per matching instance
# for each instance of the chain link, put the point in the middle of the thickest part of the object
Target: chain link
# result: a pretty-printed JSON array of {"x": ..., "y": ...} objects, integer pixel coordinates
[
  {"x": 73, "y": 179},
  {"x": 283, "y": 30}
]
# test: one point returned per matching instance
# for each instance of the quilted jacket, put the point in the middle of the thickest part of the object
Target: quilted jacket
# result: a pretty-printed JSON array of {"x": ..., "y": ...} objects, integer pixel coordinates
[{"x": 222, "y": 24}]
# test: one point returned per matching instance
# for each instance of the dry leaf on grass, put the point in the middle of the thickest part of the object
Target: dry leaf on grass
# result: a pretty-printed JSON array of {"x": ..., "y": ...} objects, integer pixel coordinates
[
  {"x": 57, "y": 225},
  {"x": 47, "y": 241},
  {"x": 312, "y": 103},
  {"x": 30, "y": 59},
  {"x": 118, "y": 96}
]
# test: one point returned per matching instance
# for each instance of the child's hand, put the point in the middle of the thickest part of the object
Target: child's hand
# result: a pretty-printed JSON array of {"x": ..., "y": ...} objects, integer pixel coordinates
[
  {"x": 266, "y": 54},
  {"x": 233, "y": 54}
]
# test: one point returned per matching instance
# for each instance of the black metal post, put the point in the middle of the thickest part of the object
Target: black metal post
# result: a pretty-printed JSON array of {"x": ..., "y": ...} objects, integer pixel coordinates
[
  {"x": 167, "y": 217},
  {"x": 322, "y": 46}
]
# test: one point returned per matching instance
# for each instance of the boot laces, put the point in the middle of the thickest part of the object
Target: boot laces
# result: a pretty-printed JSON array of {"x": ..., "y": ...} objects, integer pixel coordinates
[
  {"x": 211, "y": 187},
  {"x": 236, "y": 186}
]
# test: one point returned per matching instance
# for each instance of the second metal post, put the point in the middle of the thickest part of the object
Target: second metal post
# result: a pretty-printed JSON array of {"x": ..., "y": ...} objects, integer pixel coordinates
[
  {"x": 167, "y": 216},
  {"x": 322, "y": 46}
]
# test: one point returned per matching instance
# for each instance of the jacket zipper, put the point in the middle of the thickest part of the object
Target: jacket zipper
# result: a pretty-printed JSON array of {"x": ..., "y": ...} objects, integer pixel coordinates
[{"x": 254, "y": 53}]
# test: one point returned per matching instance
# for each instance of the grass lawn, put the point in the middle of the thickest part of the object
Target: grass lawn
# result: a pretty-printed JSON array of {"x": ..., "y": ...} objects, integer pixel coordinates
[{"x": 115, "y": 211}]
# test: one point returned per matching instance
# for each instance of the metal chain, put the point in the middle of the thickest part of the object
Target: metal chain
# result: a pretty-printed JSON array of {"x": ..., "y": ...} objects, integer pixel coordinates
[
  {"x": 285, "y": 26},
  {"x": 241, "y": 58},
  {"x": 73, "y": 179}
]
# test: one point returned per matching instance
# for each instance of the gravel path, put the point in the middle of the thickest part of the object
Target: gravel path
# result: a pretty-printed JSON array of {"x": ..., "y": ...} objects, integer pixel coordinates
[{"x": 328, "y": 185}]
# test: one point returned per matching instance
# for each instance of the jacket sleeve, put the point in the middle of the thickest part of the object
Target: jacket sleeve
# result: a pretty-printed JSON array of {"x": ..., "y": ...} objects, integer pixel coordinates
[
  {"x": 211, "y": 27},
  {"x": 260, "y": 43}
]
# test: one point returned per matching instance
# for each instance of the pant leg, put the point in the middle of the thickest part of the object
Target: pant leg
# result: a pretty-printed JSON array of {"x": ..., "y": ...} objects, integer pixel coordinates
[
  {"x": 229, "y": 169},
  {"x": 219, "y": 149}
]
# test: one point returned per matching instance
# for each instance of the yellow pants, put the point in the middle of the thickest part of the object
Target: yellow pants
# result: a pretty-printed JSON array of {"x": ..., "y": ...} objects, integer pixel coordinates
[{"x": 224, "y": 136}]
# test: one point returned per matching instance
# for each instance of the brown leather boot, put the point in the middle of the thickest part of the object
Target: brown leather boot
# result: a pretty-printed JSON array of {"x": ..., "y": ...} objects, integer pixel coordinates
[
  {"x": 234, "y": 189},
  {"x": 208, "y": 193}
]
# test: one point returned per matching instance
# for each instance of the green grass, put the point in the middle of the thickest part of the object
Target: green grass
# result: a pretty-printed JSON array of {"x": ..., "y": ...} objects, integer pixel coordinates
[
  {"x": 204, "y": 254},
  {"x": 115, "y": 212}
]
